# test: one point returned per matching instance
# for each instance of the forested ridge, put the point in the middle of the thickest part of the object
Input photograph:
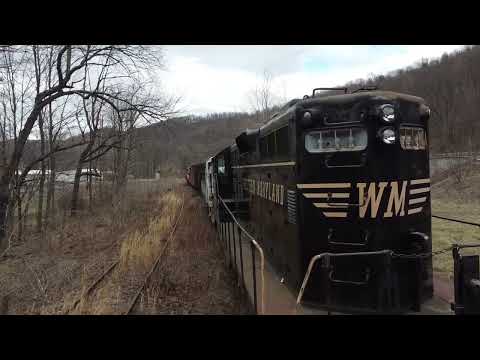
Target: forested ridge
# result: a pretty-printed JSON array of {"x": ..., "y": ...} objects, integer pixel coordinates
[
  {"x": 449, "y": 84},
  {"x": 451, "y": 87}
]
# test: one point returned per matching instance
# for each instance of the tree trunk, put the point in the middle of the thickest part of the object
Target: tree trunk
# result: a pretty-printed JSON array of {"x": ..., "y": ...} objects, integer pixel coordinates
[
  {"x": 50, "y": 211},
  {"x": 19, "y": 214},
  {"x": 50, "y": 208},
  {"x": 78, "y": 175},
  {"x": 90, "y": 195},
  {"x": 40, "y": 198},
  {"x": 4, "y": 201},
  {"x": 42, "y": 175},
  {"x": 12, "y": 166},
  {"x": 76, "y": 188}
]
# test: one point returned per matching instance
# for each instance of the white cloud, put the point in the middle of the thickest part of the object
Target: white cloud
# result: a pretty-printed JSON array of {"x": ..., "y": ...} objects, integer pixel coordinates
[{"x": 217, "y": 78}]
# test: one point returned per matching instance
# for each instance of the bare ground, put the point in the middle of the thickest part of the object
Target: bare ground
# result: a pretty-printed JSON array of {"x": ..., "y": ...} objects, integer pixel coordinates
[
  {"x": 47, "y": 277},
  {"x": 192, "y": 278}
]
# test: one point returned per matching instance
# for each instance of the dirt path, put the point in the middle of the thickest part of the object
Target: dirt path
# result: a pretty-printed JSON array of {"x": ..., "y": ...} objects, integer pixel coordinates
[{"x": 193, "y": 277}]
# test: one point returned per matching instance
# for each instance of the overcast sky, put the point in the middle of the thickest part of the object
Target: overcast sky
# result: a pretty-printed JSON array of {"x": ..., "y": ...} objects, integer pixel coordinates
[{"x": 218, "y": 78}]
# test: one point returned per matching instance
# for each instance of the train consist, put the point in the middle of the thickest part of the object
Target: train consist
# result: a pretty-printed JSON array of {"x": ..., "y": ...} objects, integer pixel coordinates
[{"x": 346, "y": 175}]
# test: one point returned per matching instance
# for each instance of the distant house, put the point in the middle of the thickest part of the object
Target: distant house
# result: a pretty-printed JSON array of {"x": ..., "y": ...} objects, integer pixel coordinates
[{"x": 64, "y": 176}]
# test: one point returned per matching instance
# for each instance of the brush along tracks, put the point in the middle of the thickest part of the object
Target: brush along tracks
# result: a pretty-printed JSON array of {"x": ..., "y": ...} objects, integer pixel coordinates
[
  {"x": 157, "y": 261},
  {"x": 93, "y": 286},
  {"x": 133, "y": 251}
]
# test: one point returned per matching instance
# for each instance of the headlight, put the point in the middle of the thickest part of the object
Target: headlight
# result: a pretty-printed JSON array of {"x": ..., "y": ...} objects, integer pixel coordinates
[
  {"x": 425, "y": 112},
  {"x": 307, "y": 119},
  {"x": 387, "y": 135},
  {"x": 387, "y": 112}
]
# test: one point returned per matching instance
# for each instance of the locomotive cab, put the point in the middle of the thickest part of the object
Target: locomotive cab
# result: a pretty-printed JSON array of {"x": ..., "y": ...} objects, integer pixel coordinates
[{"x": 363, "y": 184}]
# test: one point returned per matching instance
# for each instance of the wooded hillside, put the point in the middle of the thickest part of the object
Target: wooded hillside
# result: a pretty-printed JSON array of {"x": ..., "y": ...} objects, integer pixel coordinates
[{"x": 450, "y": 85}]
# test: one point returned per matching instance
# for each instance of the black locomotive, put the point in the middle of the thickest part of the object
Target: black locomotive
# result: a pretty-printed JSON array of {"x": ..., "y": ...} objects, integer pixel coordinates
[{"x": 341, "y": 175}]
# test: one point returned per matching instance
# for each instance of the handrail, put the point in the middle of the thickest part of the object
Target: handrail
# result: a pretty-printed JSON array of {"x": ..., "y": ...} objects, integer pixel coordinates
[
  {"x": 262, "y": 258},
  {"x": 322, "y": 255}
]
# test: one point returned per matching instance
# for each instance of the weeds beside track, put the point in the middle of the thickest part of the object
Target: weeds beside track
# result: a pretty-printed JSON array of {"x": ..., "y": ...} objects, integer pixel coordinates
[{"x": 124, "y": 258}]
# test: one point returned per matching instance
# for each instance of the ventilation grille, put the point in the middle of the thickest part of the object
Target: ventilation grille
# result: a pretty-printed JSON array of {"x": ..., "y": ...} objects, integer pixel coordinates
[{"x": 292, "y": 206}]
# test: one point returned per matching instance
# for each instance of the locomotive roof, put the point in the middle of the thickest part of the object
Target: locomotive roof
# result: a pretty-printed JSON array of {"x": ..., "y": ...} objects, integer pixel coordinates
[
  {"x": 365, "y": 95},
  {"x": 280, "y": 119}
]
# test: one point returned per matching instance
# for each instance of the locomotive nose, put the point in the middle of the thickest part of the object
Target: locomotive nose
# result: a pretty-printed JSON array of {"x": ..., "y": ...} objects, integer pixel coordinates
[{"x": 418, "y": 242}]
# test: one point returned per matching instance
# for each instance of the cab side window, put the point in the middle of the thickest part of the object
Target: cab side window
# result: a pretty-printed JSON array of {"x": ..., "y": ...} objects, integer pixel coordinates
[
  {"x": 275, "y": 146},
  {"x": 263, "y": 148},
  {"x": 221, "y": 166},
  {"x": 283, "y": 149},
  {"x": 271, "y": 146}
]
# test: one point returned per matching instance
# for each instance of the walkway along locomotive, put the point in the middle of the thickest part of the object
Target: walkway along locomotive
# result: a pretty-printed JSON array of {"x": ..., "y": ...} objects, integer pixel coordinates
[{"x": 345, "y": 176}]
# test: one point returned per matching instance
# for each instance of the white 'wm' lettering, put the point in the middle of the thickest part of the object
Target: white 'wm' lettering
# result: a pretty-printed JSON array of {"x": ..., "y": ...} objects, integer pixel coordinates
[
  {"x": 373, "y": 198},
  {"x": 397, "y": 199}
]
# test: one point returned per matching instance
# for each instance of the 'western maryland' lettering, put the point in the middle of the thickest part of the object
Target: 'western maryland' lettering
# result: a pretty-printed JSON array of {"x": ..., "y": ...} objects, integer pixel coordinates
[{"x": 264, "y": 189}]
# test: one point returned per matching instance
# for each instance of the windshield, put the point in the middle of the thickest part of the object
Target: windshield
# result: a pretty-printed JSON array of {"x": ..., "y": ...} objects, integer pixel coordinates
[
  {"x": 412, "y": 138},
  {"x": 333, "y": 140}
]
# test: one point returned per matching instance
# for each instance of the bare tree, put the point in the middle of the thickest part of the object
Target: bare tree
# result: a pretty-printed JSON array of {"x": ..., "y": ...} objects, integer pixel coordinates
[
  {"x": 262, "y": 98},
  {"x": 73, "y": 65},
  {"x": 38, "y": 70}
]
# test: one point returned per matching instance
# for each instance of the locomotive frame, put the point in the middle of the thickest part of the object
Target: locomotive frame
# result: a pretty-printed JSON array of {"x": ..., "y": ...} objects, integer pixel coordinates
[{"x": 324, "y": 176}]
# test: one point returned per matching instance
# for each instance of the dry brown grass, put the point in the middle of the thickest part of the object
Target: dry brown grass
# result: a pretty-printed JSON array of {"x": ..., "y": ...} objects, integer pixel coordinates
[
  {"x": 139, "y": 250},
  {"x": 74, "y": 250},
  {"x": 193, "y": 277}
]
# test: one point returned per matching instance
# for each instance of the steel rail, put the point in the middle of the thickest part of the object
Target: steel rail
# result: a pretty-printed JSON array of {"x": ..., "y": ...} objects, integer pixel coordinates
[
  {"x": 94, "y": 284},
  {"x": 116, "y": 262},
  {"x": 157, "y": 261}
]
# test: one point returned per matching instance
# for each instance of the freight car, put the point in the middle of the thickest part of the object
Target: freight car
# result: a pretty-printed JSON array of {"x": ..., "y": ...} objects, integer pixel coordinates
[
  {"x": 345, "y": 176},
  {"x": 195, "y": 174}
]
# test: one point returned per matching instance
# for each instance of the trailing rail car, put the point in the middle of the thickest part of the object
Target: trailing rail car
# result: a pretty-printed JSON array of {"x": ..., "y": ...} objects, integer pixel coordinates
[
  {"x": 345, "y": 175},
  {"x": 195, "y": 175}
]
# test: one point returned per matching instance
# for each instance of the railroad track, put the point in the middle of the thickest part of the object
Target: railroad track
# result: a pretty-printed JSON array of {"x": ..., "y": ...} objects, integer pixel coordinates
[
  {"x": 112, "y": 266},
  {"x": 93, "y": 286},
  {"x": 157, "y": 261}
]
